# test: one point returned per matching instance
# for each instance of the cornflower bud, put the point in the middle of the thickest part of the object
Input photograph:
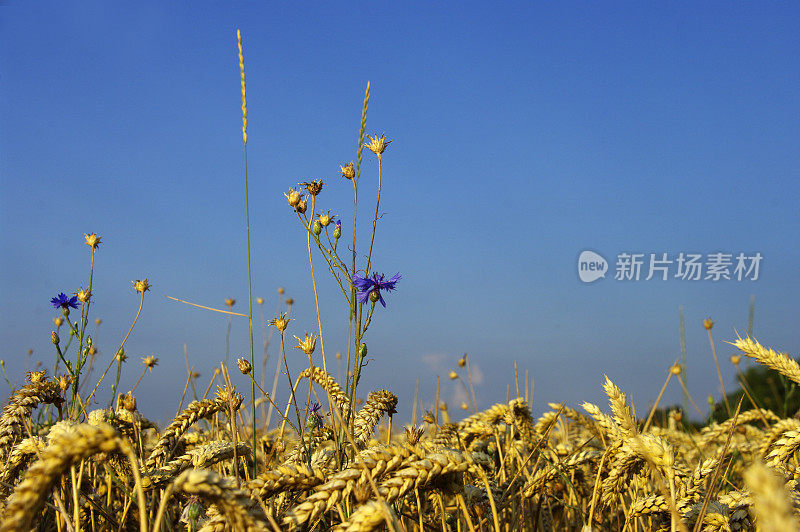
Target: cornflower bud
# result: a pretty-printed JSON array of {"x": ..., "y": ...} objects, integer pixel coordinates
[{"x": 244, "y": 366}]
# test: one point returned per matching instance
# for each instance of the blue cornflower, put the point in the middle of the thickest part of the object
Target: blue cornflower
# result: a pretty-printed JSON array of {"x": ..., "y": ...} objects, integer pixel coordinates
[
  {"x": 370, "y": 287},
  {"x": 315, "y": 419},
  {"x": 62, "y": 301}
]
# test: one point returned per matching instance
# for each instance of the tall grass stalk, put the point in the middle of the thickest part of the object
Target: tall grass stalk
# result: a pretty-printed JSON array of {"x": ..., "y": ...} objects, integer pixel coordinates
[{"x": 247, "y": 233}]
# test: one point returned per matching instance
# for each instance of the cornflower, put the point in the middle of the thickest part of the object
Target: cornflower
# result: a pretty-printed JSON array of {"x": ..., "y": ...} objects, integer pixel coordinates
[
  {"x": 64, "y": 302},
  {"x": 370, "y": 287}
]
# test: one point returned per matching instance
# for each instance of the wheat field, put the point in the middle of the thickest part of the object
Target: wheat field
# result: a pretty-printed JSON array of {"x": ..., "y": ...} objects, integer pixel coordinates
[{"x": 327, "y": 460}]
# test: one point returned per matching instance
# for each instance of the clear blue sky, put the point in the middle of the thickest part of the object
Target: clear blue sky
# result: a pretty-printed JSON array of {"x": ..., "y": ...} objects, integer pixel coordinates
[{"x": 523, "y": 135}]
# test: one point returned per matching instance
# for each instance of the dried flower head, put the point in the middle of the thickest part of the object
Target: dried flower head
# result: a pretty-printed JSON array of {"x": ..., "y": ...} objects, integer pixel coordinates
[
  {"x": 280, "y": 323},
  {"x": 453, "y": 375},
  {"x": 150, "y": 361},
  {"x": 313, "y": 187},
  {"x": 127, "y": 402},
  {"x": 414, "y": 434},
  {"x": 293, "y": 197},
  {"x": 36, "y": 376},
  {"x": 229, "y": 395},
  {"x": 244, "y": 366},
  {"x": 675, "y": 369},
  {"x": 92, "y": 240},
  {"x": 325, "y": 218},
  {"x": 83, "y": 295},
  {"x": 348, "y": 172},
  {"x": 229, "y": 302},
  {"x": 307, "y": 344},
  {"x": 141, "y": 286},
  {"x": 377, "y": 145},
  {"x": 63, "y": 302},
  {"x": 63, "y": 382},
  {"x": 708, "y": 324}
]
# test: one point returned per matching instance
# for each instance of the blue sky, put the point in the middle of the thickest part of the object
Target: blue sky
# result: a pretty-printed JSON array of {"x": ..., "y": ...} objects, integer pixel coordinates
[{"x": 523, "y": 135}]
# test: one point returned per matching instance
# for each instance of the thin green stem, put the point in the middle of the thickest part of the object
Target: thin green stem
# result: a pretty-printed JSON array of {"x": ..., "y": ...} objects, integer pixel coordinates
[
  {"x": 250, "y": 303},
  {"x": 314, "y": 285},
  {"x": 116, "y": 356}
]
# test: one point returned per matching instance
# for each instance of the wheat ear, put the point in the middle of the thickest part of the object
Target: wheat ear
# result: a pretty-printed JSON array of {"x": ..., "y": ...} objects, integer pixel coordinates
[
  {"x": 189, "y": 416},
  {"x": 199, "y": 458},
  {"x": 222, "y": 492},
  {"x": 378, "y": 403},
  {"x": 19, "y": 409},
  {"x": 371, "y": 515},
  {"x": 781, "y": 362},
  {"x": 772, "y": 505},
  {"x": 78, "y": 443}
]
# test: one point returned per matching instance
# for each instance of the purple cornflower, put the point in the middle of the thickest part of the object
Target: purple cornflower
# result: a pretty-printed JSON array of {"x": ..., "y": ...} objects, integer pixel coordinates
[
  {"x": 62, "y": 301},
  {"x": 314, "y": 417},
  {"x": 367, "y": 286}
]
